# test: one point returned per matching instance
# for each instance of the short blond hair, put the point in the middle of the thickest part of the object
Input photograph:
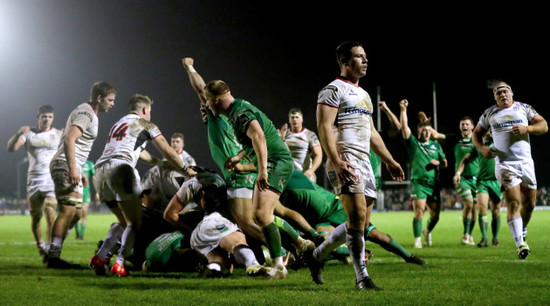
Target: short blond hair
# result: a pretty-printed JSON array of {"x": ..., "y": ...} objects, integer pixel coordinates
[{"x": 137, "y": 101}]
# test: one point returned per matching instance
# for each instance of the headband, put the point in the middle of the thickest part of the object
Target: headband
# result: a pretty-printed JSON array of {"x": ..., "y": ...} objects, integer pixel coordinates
[
  {"x": 296, "y": 114},
  {"x": 502, "y": 87}
]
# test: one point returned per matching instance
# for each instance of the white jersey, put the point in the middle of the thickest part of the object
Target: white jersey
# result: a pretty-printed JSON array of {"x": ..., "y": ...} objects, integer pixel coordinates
[
  {"x": 163, "y": 185},
  {"x": 301, "y": 146},
  {"x": 189, "y": 190},
  {"x": 509, "y": 147},
  {"x": 187, "y": 159},
  {"x": 41, "y": 147},
  {"x": 354, "y": 115},
  {"x": 127, "y": 138},
  {"x": 85, "y": 118}
]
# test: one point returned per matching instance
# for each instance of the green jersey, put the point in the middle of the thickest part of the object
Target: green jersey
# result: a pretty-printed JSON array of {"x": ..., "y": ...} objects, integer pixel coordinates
[
  {"x": 241, "y": 114},
  {"x": 279, "y": 161},
  {"x": 420, "y": 156},
  {"x": 312, "y": 201},
  {"x": 486, "y": 166},
  {"x": 461, "y": 148},
  {"x": 89, "y": 171},
  {"x": 223, "y": 145},
  {"x": 375, "y": 164},
  {"x": 160, "y": 250}
]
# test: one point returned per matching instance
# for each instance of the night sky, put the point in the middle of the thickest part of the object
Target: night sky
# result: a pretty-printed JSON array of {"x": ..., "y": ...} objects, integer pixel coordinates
[{"x": 273, "y": 54}]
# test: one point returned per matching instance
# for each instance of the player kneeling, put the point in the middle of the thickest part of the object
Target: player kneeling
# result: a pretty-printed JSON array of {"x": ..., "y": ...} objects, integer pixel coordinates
[{"x": 215, "y": 236}]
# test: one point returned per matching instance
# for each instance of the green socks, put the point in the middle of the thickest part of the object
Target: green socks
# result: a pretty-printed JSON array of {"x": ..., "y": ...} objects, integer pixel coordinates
[
  {"x": 273, "y": 240},
  {"x": 483, "y": 225},
  {"x": 394, "y": 247},
  {"x": 466, "y": 222},
  {"x": 417, "y": 227},
  {"x": 287, "y": 228},
  {"x": 495, "y": 227}
]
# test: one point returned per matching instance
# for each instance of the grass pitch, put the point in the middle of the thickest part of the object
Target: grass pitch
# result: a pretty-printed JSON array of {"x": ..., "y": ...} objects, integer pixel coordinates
[{"x": 454, "y": 274}]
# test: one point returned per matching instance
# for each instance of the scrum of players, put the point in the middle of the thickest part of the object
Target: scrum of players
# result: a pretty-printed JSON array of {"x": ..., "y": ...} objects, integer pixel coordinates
[{"x": 263, "y": 210}]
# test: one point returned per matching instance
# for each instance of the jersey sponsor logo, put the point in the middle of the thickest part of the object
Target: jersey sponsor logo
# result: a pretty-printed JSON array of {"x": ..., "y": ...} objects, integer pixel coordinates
[
  {"x": 508, "y": 123},
  {"x": 354, "y": 110},
  {"x": 222, "y": 228}
]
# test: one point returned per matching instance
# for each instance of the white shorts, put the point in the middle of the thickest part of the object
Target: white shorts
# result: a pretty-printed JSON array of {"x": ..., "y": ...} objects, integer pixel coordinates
[
  {"x": 59, "y": 170},
  {"x": 233, "y": 193},
  {"x": 210, "y": 231},
  {"x": 365, "y": 183},
  {"x": 116, "y": 180},
  {"x": 512, "y": 173},
  {"x": 43, "y": 184}
]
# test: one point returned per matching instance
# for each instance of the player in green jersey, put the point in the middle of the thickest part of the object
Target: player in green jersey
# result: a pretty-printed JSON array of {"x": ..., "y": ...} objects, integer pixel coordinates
[
  {"x": 324, "y": 211},
  {"x": 223, "y": 144},
  {"x": 465, "y": 181},
  {"x": 487, "y": 189},
  {"x": 261, "y": 142},
  {"x": 426, "y": 156},
  {"x": 80, "y": 227}
]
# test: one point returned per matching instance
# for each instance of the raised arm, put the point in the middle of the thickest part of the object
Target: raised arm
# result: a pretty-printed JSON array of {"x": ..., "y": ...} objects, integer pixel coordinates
[
  {"x": 395, "y": 125},
  {"x": 195, "y": 78},
  {"x": 435, "y": 135},
  {"x": 404, "y": 119},
  {"x": 16, "y": 142}
]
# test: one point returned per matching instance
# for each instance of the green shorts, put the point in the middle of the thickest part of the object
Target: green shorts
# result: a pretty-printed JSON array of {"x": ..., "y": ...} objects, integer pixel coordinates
[
  {"x": 424, "y": 190},
  {"x": 490, "y": 187},
  {"x": 241, "y": 180},
  {"x": 279, "y": 172},
  {"x": 467, "y": 188}
]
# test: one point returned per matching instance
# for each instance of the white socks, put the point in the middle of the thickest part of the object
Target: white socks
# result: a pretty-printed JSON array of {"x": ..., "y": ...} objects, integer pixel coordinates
[
  {"x": 516, "y": 227},
  {"x": 245, "y": 256},
  {"x": 336, "y": 238}
]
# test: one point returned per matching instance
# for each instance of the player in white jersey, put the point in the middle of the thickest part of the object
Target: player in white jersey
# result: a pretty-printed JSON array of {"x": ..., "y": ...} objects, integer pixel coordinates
[
  {"x": 41, "y": 143},
  {"x": 215, "y": 236},
  {"x": 66, "y": 166},
  {"x": 348, "y": 166},
  {"x": 177, "y": 141},
  {"x": 118, "y": 181},
  {"x": 510, "y": 123},
  {"x": 303, "y": 144}
]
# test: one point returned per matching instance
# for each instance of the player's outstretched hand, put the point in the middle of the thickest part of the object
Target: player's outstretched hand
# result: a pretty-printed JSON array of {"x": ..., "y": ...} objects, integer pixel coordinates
[
  {"x": 396, "y": 171},
  {"x": 187, "y": 62}
]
